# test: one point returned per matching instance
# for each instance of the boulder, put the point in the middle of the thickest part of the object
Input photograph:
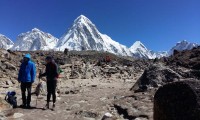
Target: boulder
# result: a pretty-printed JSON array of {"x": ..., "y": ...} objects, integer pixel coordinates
[
  {"x": 156, "y": 75},
  {"x": 111, "y": 70},
  {"x": 9, "y": 82},
  {"x": 178, "y": 101},
  {"x": 74, "y": 75},
  {"x": 108, "y": 116},
  {"x": 10, "y": 66}
]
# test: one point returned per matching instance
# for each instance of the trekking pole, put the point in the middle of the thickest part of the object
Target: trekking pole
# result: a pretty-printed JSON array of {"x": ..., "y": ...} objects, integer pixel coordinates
[{"x": 36, "y": 87}]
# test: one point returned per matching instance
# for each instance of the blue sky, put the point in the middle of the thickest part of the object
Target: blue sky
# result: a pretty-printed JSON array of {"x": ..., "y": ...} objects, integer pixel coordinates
[{"x": 158, "y": 24}]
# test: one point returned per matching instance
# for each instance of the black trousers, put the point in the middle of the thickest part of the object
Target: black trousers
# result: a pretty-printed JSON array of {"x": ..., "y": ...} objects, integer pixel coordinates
[
  {"x": 26, "y": 86},
  {"x": 51, "y": 90}
]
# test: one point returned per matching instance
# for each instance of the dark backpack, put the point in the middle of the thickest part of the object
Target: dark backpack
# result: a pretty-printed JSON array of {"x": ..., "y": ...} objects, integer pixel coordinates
[{"x": 11, "y": 98}]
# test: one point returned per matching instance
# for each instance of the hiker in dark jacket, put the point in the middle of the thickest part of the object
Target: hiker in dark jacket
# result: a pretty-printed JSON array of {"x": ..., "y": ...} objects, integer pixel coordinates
[
  {"x": 26, "y": 77},
  {"x": 51, "y": 74}
]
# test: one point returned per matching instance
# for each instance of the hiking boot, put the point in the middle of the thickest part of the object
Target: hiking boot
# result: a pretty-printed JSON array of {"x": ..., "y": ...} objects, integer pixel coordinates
[
  {"x": 53, "y": 107},
  {"x": 46, "y": 107},
  {"x": 28, "y": 107},
  {"x": 22, "y": 106}
]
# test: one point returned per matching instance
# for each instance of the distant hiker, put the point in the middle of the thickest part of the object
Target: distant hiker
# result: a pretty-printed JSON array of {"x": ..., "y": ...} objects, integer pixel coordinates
[
  {"x": 66, "y": 51},
  {"x": 26, "y": 77},
  {"x": 107, "y": 59},
  {"x": 11, "y": 98},
  {"x": 51, "y": 74},
  {"x": 155, "y": 60}
]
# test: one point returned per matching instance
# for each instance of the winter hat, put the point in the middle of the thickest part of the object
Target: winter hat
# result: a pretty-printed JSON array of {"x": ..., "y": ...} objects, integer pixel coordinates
[
  {"x": 49, "y": 58},
  {"x": 28, "y": 56}
]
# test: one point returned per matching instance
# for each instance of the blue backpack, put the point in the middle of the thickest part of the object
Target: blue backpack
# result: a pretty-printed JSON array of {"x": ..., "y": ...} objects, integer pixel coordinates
[{"x": 11, "y": 98}]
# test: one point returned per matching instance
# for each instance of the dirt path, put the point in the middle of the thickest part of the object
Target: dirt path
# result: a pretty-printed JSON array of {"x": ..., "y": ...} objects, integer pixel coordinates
[{"x": 80, "y": 99}]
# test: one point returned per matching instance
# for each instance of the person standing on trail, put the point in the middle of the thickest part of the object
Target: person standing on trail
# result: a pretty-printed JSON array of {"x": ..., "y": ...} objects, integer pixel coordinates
[
  {"x": 26, "y": 77},
  {"x": 107, "y": 59},
  {"x": 51, "y": 74}
]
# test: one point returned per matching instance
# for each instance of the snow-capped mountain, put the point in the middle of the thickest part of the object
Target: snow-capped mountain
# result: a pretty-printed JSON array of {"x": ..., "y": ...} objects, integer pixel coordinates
[
  {"x": 35, "y": 40},
  {"x": 5, "y": 42},
  {"x": 159, "y": 54},
  {"x": 182, "y": 45},
  {"x": 140, "y": 51},
  {"x": 83, "y": 35}
]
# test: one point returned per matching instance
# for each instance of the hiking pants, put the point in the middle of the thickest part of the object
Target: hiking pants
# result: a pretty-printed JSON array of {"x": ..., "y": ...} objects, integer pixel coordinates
[
  {"x": 26, "y": 86},
  {"x": 51, "y": 90}
]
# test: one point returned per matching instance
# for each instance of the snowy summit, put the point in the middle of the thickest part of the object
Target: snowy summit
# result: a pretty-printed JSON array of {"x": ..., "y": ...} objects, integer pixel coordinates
[
  {"x": 83, "y": 35},
  {"x": 183, "y": 45},
  {"x": 140, "y": 51},
  {"x": 35, "y": 40},
  {"x": 5, "y": 42}
]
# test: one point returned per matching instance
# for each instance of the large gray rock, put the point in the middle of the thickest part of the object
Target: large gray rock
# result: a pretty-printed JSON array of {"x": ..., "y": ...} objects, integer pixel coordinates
[
  {"x": 156, "y": 75},
  {"x": 10, "y": 66},
  {"x": 178, "y": 101}
]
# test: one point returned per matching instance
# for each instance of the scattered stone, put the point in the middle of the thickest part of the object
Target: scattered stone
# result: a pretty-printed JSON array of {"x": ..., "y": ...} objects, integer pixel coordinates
[
  {"x": 139, "y": 118},
  {"x": 112, "y": 79},
  {"x": 9, "y": 82},
  {"x": 17, "y": 115},
  {"x": 75, "y": 106},
  {"x": 107, "y": 116},
  {"x": 74, "y": 75},
  {"x": 93, "y": 85},
  {"x": 75, "y": 91},
  {"x": 87, "y": 114}
]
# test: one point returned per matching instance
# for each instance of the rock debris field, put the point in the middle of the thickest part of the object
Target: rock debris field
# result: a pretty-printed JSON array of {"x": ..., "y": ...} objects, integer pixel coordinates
[{"x": 90, "y": 88}]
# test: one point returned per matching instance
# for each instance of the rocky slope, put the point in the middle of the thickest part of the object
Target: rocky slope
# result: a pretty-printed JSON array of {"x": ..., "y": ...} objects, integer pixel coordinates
[
  {"x": 76, "y": 102},
  {"x": 89, "y": 90}
]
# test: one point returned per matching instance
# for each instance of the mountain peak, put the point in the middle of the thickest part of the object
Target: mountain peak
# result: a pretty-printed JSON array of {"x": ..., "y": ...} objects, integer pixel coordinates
[
  {"x": 183, "y": 45},
  {"x": 82, "y": 19},
  {"x": 35, "y": 40},
  {"x": 183, "y": 42},
  {"x": 140, "y": 50},
  {"x": 84, "y": 35},
  {"x": 136, "y": 45},
  {"x": 5, "y": 42},
  {"x": 35, "y": 30}
]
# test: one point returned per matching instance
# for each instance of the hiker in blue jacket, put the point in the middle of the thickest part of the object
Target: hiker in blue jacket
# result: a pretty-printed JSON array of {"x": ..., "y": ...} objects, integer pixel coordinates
[{"x": 26, "y": 77}]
